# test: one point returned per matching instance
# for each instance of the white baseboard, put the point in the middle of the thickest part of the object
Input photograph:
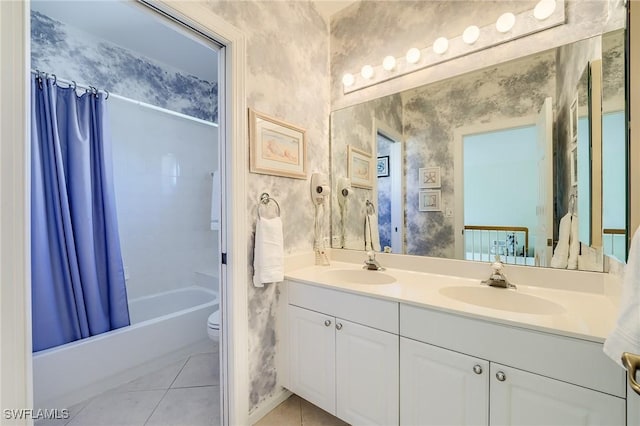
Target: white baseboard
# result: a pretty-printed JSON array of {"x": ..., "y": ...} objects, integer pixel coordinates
[{"x": 269, "y": 404}]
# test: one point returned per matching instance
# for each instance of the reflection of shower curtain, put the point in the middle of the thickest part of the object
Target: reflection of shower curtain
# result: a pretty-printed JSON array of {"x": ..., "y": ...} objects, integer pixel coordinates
[{"x": 78, "y": 287}]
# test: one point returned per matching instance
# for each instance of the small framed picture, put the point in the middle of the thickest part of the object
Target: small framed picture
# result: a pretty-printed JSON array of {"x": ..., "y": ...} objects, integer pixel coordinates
[
  {"x": 429, "y": 177},
  {"x": 574, "y": 166},
  {"x": 382, "y": 166},
  {"x": 276, "y": 148},
  {"x": 573, "y": 120},
  {"x": 359, "y": 168},
  {"x": 430, "y": 200}
]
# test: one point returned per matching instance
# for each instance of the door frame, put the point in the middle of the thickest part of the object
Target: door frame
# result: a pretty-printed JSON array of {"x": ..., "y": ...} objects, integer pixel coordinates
[
  {"x": 16, "y": 389},
  {"x": 458, "y": 168},
  {"x": 397, "y": 176}
]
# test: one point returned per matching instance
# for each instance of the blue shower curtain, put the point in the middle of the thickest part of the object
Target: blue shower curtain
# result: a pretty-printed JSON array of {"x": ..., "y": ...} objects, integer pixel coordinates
[{"x": 78, "y": 287}]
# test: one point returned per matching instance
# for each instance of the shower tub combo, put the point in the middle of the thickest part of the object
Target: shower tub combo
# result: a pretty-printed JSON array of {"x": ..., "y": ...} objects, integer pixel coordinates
[{"x": 161, "y": 326}]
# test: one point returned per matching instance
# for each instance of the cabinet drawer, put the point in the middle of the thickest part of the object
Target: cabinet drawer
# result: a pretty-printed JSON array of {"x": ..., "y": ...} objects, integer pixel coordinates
[
  {"x": 376, "y": 313},
  {"x": 568, "y": 359}
]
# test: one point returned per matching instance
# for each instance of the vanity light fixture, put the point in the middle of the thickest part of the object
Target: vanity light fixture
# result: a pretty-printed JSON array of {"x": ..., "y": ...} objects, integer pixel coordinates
[
  {"x": 544, "y": 9},
  {"x": 544, "y": 15},
  {"x": 348, "y": 79},
  {"x": 413, "y": 55},
  {"x": 367, "y": 72},
  {"x": 389, "y": 63},
  {"x": 505, "y": 22},
  {"x": 471, "y": 34},
  {"x": 440, "y": 45}
]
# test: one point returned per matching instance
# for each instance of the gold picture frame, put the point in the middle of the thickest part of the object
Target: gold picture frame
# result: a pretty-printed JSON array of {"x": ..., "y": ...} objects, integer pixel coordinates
[
  {"x": 359, "y": 168},
  {"x": 276, "y": 147}
]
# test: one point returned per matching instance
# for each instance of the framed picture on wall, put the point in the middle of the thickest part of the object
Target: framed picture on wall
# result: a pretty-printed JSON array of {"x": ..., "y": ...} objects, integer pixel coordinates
[
  {"x": 276, "y": 148},
  {"x": 429, "y": 177},
  {"x": 430, "y": 200},
  {"x": 359, "y": 168},
  {"x": 573, "y": 120},
  {"x": 382, "y": 166}
]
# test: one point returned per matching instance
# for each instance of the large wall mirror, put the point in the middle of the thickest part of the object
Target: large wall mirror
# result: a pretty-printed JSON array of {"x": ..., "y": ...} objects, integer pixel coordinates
[{"x": 523, "y": 159}]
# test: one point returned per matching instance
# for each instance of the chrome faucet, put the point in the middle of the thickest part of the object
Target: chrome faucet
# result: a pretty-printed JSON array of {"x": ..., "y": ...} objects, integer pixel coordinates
[
  {"x": 497, "y": 278},
  {"x": 371, "y": 263}
]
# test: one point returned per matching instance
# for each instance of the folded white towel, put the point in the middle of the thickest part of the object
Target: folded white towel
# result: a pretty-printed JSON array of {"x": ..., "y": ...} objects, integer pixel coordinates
[
  {"x": 561, "y": 253},
  {"x": 626, "y": 335},
  {"x": 574, "y": 244},
  {"x": 371, "y": 232},
  {"x": 268, "y": 257}
]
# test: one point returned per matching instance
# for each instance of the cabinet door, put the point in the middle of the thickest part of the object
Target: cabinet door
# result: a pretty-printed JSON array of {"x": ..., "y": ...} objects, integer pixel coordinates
[
  {"x": 441, "y": 387},
  {"x": 312, "y": 357},
  {"x": 633, "y": 406},
  {"x": 366, "y": 375},
  {"x": 521, "y": 398}
]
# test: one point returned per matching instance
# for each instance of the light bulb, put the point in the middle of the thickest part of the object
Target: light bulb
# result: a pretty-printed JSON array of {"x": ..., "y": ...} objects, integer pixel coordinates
[
  {"x": 544, "y": 9},
  {"x": 367, "y": 72},
  {"x": 440, "y": 45},
  {"x": 389, "y": 63},
  {"x": 413, "y": 55},
  {"x": 505, "y": 22},
  {"x": 471, "y": 34},
  {"x": 348, "y": 80}
]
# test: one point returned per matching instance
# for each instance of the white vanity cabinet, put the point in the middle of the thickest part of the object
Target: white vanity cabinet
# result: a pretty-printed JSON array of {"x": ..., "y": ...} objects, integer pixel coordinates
[
  {"x": 343, "y": 353},
  {"x": 439, "y": 387},
  {"x": 526, "y": 377}
]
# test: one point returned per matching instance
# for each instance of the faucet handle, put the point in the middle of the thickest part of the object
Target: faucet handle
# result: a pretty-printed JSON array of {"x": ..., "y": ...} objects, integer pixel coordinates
[
  {"x": 497, "y": 265},
  {"x": 371, "y": 254}
]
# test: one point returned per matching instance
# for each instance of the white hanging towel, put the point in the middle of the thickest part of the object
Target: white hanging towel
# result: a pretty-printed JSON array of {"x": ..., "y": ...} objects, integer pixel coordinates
[
  {"x": 371, "y": 232},
  {"x": 268, "y": 256},
  {"x": 560, "y": 257},
  {"x": 574, "y": 244},
  {"x": 216, "y": 199},
  {"x": 625, "y": 337}
]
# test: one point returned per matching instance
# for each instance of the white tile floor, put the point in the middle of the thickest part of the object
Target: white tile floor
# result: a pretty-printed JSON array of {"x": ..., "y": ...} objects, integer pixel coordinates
[{"x": 186, "y": 393}]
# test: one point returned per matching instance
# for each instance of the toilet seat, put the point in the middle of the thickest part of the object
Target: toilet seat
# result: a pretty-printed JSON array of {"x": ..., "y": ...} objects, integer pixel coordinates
[{"x": 214, "y": 320}]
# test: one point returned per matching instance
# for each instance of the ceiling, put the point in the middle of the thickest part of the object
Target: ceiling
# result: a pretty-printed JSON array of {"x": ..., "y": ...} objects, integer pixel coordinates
[{"x": 327, "y": 8}]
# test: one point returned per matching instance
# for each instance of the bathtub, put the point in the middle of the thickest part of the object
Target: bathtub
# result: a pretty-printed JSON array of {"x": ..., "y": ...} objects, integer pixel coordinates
[{"x": 161, "y": 326}]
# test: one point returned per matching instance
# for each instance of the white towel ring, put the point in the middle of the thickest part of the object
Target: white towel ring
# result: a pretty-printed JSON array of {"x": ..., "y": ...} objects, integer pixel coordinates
[{"x": 264, "y": 200}]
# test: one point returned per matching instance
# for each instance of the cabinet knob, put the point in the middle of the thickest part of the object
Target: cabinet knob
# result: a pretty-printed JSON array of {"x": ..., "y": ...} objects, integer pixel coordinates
[
  {"x": 501, "y": 376},
  {"x": 339, "y": 326},
  {"x": 477, "y": 369},
  {"x": 327, "y": 323}
]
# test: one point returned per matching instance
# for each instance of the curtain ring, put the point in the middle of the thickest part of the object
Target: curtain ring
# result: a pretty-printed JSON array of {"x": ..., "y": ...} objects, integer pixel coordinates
[
  {"x": 107, "y": 92},
  {"x": 75, "y": 86},
  {"x": 54, "y": 78}
]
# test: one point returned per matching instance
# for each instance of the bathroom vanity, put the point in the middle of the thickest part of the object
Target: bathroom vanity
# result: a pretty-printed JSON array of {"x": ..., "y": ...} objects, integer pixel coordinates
[{"x": 412, "y": 348}]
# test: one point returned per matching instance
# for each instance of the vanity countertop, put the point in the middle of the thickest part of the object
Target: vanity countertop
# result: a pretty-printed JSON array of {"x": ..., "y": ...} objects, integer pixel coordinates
[{"x": 584, "y": 315}]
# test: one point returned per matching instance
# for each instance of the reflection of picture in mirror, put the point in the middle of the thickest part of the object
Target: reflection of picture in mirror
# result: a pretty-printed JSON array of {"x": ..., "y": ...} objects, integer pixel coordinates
[
  {"x": 383, "y": 166},
  {"x": 430, "y": 200},
  {"x": 359, "y": 168},
  {"x": 573, "y": 118},
  {"x": 429, "y": 177}
]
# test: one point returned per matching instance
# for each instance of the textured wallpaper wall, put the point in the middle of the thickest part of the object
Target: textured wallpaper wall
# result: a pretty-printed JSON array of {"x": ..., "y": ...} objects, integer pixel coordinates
[{"x": 73, "y": 54}]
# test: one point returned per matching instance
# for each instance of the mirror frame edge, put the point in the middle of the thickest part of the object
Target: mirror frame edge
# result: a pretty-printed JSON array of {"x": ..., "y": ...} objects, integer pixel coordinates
[
  {"x": 633, "y": 106},
  {"x": 595, "y": 92}
]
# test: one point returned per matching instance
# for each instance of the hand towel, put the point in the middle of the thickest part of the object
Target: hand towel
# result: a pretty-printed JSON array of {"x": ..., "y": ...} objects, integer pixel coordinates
[
  {"x": 216, "y": 198},
  {"x": 625, "y": 337},
  {"x": 561, "y": 253},
  {"x": 574, "y": 244},
  {"x": 268, "y": 257},
  {"x": 371, "y": 232}
]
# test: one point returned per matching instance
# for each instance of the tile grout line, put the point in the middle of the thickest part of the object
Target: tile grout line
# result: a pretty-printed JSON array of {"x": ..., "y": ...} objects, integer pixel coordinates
[{"x": 166, "y": 391}]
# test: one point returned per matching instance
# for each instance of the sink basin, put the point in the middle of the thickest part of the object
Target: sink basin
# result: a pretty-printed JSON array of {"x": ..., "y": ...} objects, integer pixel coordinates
[
  {"x": 502, "y": 299},
  {"x": 357, "y": 276}
]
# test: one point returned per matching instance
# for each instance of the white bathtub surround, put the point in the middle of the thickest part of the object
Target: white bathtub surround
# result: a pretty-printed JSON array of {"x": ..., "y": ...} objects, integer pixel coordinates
[{"x": 163, "y": 327}]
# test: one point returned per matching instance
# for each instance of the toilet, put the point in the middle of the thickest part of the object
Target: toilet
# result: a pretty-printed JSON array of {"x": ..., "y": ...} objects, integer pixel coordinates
[{"x": 213, "y": 326}]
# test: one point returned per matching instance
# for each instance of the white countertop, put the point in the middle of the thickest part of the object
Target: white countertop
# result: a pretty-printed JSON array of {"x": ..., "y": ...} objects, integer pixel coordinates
[{"x": 584, "y": 315}]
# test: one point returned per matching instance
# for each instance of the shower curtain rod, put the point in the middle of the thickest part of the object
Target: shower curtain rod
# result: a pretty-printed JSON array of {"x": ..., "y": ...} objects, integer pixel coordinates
[{"x": 123, "y": 98}]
